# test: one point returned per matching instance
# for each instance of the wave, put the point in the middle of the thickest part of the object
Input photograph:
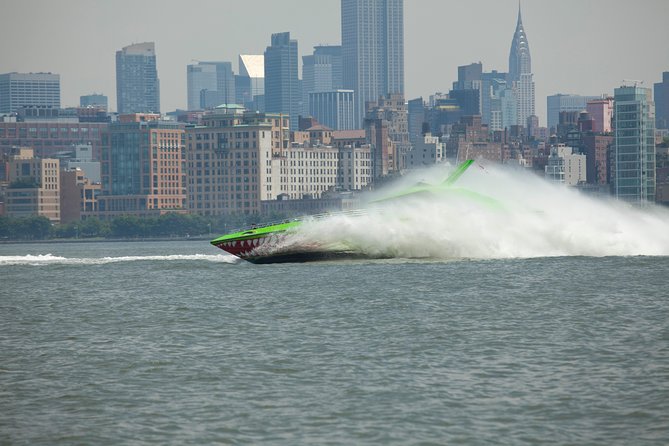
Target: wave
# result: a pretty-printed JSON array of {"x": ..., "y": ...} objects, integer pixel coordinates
[{"x": 50, "y": 259}]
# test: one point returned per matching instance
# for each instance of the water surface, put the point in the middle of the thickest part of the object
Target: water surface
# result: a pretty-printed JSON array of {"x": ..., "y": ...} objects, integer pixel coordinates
[{"x": 174, "y": 343}]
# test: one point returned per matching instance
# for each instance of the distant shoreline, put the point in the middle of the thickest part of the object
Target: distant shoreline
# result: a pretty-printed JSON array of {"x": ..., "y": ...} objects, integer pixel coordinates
[{"x": 112, "y": 240}]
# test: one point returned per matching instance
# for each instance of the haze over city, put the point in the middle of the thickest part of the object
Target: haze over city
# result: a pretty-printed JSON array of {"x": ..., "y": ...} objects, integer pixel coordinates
[{"x": 577, "y": 47}]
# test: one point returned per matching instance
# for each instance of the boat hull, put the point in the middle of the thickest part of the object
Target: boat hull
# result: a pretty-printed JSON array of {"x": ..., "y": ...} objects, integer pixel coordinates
[{"x": 275, "y": 248}]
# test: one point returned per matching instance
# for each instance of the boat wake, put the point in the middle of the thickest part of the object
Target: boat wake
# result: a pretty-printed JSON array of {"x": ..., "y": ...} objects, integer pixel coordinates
[
  {"x": 514, "y": 214},
  {"x": 50, "y": 259}
]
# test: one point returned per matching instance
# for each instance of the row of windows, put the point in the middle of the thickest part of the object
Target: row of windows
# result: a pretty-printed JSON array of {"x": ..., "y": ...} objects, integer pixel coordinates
[
  {"x": 47, "y": 132},
  {"x": 226, "y": 188}
]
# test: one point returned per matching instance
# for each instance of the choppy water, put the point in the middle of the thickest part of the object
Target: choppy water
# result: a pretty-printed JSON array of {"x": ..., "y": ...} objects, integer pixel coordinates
[{"x": 170, "y": 343}]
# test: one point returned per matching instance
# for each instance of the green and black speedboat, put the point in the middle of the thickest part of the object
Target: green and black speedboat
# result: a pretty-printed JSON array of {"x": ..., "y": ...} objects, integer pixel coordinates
[{"x": 280, "y": 242}]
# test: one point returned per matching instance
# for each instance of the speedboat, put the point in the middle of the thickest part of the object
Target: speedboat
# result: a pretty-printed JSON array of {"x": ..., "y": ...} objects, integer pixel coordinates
[{"x": 281, "y": 242}]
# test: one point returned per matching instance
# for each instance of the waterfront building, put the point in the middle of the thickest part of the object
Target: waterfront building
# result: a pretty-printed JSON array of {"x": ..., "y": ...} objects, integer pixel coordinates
[
  {"x": 50, "y": 136},
  {"x": 94, "y": 100},
  {"x": 232, "y": 160},
  {"x": 558, "y": 103},
  {"x": 520, "y": 77},
  {"x": 19, "y": 90},
  {"x": 335, "y": 109},
  {"x": 282, "y": 90},
  {"x": 143, "y": 167},
  {"x": 428, "y": 151},
  {"x": 210, "y": 84},
  {"x": 137, "y": 84},
  {"x": 661, "y": 90},
  {"x": 634, "y": 144},
  {"x": 239, "y": 159},
  {"x": 78, "y": 195},
  {"x": 372, "y": 36},
  {"x": 33, "y": 186},
  {"x": 564, "y": 166}
]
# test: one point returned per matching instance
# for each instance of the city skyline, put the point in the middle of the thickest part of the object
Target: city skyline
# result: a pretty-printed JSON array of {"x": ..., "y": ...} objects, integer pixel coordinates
[{"x": 577, "y": 48}]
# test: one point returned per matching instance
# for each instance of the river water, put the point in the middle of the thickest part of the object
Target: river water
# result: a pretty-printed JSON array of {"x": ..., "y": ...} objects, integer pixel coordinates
[{"x": 175, "y": 343}]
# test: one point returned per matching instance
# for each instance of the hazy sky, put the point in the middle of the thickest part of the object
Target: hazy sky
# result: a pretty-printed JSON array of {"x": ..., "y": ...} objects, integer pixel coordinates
[{"x": 577, "y": 46}]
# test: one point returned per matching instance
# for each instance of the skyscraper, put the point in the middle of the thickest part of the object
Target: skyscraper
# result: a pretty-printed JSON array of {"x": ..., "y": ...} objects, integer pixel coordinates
[
  {"x": 250, "y": 82},
  {"x": 282, "y": 90},
  {"x": 372, "y": 36},
  {"x": 492, "y": 85},
  {"x": 28, "y": 90},
  {"x": 137, "y": 85},
  {"x": 520, "y": 73},
  {"x": 634, "y": 144},
  {"x": 335, "y": 109},
  {"x": 210, "y": 84},
  {"x": 662, "y": 102},
  {"x": 321, "y": 71}
]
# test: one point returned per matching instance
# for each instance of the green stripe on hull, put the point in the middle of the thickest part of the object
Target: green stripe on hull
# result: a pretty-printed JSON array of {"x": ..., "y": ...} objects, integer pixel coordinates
[{"x": 259, "y": 232}]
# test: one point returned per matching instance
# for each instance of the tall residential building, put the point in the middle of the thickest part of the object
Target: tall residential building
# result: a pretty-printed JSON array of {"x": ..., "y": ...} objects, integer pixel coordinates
[
  {"x": 335, "y": 109},
  {"x": 321, "y": 71},
  {"x": 282, "y": 89},
  {"x": 634, "y": 144},
  {"x": 492, "y": 85},
  {"x": 210, "y": 84},
  {"x": 94, "y": 100},
  {"x": 520, "y": 73},
  {"x": 662, "y": 102},
  {"x": 143, "y": 167},
  {"x": 372, "y": 36},
  {"x": 137, "y": 85},
  {"x": 565, "y": 103},
  {"x": 29, "y": 90}
]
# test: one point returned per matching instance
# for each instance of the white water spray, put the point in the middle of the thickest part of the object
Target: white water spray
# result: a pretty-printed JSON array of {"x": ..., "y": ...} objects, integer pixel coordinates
[{"x": 528, "y": 217}]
